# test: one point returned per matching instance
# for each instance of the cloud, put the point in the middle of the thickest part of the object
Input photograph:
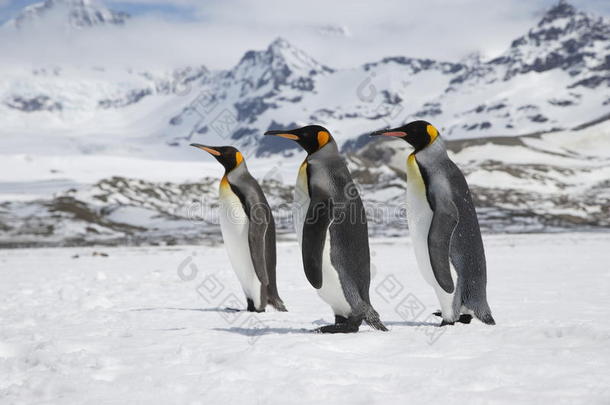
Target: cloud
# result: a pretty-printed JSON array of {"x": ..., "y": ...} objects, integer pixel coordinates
[{"x": 338, "y": 33}]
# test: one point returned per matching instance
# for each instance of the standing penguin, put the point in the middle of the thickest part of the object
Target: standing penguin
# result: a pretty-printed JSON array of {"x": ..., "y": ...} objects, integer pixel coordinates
[
  {"x": 332, "y": 230},
  {"x": 248, "y": 229},
  {"x": 444, "y": 226}
]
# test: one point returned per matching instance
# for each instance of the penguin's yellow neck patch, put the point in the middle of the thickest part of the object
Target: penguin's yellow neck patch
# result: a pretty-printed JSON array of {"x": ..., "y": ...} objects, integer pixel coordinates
[
  {"x": 238, "y": 158},
  {"x": 414, "y": 176},
  {"x": 224, "y": 183},
  {"x": 432, "y": 132},
  {"x": 323, "y": 138},
  {"x": 302, "y": 181}
]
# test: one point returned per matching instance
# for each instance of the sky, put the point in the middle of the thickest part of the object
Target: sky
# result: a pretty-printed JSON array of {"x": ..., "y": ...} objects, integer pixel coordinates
[{"x": 339, "y": 34}]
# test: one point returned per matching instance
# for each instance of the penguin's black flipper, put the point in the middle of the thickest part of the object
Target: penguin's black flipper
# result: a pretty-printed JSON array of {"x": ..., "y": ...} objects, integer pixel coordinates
[
  {"x": 259, "y": 218},
  {"x": 443, "y": 224},
  {"x": 315, "y": 228}
]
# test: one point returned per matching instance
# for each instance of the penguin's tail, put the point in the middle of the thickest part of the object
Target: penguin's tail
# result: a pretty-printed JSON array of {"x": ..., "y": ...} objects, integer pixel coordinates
[
  {"x": 371, "y": 317},
  {"x": 483, "y": 313},
  {"x": 277, "y": 303}
]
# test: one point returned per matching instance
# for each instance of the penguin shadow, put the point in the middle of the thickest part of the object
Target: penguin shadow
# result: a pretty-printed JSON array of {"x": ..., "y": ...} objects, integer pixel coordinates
[
  {"x": 410, "y": 323},
  {"x": 216, "y": 309},
  {"x": 264, "y": 331},
  {"x": 238, "y": 330}
]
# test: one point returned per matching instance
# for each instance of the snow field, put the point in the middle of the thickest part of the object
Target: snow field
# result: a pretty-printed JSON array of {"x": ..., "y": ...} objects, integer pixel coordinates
[{"x": 147, "y": 325}]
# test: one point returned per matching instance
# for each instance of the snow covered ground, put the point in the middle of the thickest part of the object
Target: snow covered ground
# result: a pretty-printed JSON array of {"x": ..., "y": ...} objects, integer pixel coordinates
[{"x": 147, "y": 325}]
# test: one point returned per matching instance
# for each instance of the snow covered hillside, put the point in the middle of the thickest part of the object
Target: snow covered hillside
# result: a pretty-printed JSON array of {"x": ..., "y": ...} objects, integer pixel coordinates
[
  {"x": 142, "y": 325},
  {"x": 546, "y": 183},
  {"x": 70, "y": 13}
]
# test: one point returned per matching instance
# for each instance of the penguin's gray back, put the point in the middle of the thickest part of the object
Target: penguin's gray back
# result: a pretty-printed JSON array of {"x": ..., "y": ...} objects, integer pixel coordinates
[
  {"x": 448, "y": 194},
  {"x": 248, "y": 230},
  {"x": 330, "y": 188},
  {"x": 443, "y": 177}
]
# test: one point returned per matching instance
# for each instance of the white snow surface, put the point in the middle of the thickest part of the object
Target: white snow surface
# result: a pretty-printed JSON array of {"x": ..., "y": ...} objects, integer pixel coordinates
[{"x": 128, "y": 329}]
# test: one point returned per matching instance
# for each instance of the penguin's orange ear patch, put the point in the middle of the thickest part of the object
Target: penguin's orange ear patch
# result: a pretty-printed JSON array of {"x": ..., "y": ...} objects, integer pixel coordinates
[
  {"x": 432, "y": 132},
  {"x": 238, "y": 158},
  {"x": 323, "y": 138}
]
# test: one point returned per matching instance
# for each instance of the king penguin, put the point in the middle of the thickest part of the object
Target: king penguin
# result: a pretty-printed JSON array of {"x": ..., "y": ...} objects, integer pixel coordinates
[
  {"x": 444, "y": 226},
  {"x": 331, "y": 227},
  {"x": 248, "y": 229}
]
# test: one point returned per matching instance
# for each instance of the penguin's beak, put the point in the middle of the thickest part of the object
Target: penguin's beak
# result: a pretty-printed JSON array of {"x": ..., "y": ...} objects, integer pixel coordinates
[
  {"x": 283, "y": 134},
  {"x": 389, "y": 132},
  {"x": 207, "y": 149}
]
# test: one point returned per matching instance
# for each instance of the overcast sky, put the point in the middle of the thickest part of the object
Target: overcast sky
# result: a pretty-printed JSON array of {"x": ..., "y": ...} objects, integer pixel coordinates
[{"x": 337, "y": 33}]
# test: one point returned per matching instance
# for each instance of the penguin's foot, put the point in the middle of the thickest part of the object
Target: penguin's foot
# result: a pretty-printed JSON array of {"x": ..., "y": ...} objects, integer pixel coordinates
[
  {"x": 342, "y": 325},
  {"x": 464, "y": 318},
  {"x": 338, "y": 328},
  {"x": 252, "y": 308},
  {"x": 340, "y": 319}
]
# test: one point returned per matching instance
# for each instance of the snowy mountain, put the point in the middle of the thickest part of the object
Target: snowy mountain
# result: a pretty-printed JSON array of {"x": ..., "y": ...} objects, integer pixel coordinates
[
  {"x": 69, "y": 13},
  {"x": 103, "y": 150},
  {"x": 554, "y": 77}
]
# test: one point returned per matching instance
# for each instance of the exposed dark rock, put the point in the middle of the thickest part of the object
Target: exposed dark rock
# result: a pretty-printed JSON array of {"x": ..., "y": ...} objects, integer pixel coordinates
[
  {"x": 33, "y": 104},
  {"x": 132, "y": 97}
]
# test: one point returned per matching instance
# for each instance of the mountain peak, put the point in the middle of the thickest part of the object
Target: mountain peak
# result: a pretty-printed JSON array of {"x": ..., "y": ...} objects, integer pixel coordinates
[
  {"x": 297, "y": 60},
  {"x": 71, "y": 13},
  {"x": 281, "y": 57},
  {"x": 561, "y": 10},
  {"x": 281, "y": 64},
  {"x": 279, "y": 43}
]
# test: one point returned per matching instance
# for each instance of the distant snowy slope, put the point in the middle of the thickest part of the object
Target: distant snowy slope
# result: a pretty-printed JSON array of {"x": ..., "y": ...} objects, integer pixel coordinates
[
  {"x": 546, "y": 183},
  {"x": 69, "y": 13}
]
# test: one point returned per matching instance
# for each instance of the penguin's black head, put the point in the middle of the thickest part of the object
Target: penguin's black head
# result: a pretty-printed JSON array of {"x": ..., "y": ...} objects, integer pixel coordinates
[
  {"x": 311, "y": 138},
  {"x": 228, "y": 156},
  {"x": 418, "y": 133}
]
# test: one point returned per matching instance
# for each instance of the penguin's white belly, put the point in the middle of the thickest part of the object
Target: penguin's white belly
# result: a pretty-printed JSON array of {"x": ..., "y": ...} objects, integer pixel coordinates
[
  {"x": 234, "y": 226},
  {"x": 301, "y": 203},
  {"x": 419, "y": 215},
  {"x": 331, "y": 291}
]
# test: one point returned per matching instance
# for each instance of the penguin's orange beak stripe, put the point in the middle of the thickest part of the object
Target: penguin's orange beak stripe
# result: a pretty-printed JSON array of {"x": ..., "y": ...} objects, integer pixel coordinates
[
  {"x": 209, "y": 150},
  {"x": 288, "y": 136},
  {"x": 394, "y": 133}
]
